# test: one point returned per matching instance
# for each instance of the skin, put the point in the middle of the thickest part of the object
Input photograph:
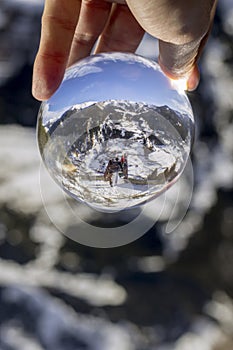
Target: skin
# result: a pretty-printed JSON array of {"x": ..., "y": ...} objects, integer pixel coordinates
[{"x": 70, "y": 28}]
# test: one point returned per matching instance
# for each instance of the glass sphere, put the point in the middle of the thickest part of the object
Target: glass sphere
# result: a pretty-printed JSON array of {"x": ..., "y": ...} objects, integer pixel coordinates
[{"x": 116, "y": 133}]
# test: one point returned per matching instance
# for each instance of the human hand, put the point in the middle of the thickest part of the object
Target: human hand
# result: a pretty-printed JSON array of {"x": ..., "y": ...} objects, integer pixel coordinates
[{"x": 70, "y": 30}]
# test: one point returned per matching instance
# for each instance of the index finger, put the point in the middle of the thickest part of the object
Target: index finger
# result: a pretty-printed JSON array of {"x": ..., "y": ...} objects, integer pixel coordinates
[{"x": 59, "y": 21}]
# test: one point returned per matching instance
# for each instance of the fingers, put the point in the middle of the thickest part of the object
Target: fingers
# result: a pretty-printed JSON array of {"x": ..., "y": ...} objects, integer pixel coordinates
[
  {"x": 69, "y": 31},
  {"x": 93, "y": 17},
  {"x": 122, "y": 32},
  {"x": 59, "y": 21}
]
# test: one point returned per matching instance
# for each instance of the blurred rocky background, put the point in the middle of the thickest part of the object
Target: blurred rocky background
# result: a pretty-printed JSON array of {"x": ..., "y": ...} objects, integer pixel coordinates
[{"x": 163, "y": 291}]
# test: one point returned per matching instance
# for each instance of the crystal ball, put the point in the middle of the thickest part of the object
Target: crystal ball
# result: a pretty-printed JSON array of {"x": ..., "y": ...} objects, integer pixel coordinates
[{"x": 116, "y": 133}]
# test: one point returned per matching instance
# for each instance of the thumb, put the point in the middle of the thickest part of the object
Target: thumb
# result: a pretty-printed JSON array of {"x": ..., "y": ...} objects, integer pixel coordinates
[{"x": 180, "y": 61}]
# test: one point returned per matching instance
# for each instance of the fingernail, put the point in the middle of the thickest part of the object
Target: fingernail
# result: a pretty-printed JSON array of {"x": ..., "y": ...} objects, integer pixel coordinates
[{"x": 193, "y": 79}]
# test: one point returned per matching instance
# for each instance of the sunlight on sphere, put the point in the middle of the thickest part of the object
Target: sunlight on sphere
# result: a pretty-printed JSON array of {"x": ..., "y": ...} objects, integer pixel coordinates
[{"x": 117, "y": 133}]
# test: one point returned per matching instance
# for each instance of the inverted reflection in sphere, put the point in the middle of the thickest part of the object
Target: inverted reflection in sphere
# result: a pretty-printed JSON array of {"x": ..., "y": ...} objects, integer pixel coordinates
[{"x": 116, "y": 133}]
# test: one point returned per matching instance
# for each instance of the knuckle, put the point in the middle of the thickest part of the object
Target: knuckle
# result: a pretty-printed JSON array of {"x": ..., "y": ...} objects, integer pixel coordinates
[
  {"x": 193, "y": 27},
  {"x": 53, "y": 56},
  {"x": 191, "y": 33},
  {"x": 83, "y": 39},
  {"x": 58, "y": 21}
]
